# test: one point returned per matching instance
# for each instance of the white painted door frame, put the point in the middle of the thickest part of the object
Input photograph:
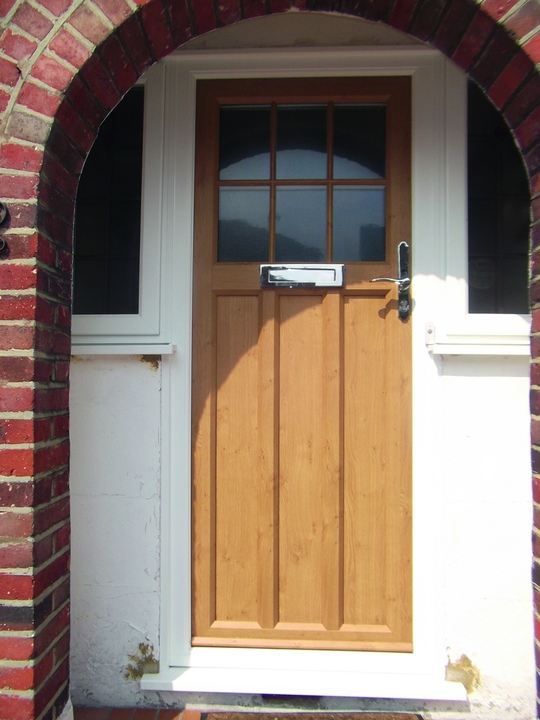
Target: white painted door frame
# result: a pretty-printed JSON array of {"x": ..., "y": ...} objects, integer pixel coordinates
[{"x": 438, "y": 149}]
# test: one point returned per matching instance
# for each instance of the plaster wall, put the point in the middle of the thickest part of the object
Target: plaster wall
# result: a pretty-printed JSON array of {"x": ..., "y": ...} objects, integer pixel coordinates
[{"x": 484, "y": 479}]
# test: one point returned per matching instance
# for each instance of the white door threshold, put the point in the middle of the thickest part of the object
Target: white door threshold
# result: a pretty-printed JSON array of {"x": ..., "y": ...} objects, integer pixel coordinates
[{"x": 319, "y": 683}]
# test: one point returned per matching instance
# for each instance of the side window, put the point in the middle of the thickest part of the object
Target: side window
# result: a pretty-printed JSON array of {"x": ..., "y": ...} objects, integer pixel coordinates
[
  {"x": 108, "y": 215},
  {"x": 498, "y": 213}
]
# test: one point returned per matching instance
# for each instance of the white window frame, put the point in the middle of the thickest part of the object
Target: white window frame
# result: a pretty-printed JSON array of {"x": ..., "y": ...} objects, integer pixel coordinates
[{"x": 148, "y": 330}]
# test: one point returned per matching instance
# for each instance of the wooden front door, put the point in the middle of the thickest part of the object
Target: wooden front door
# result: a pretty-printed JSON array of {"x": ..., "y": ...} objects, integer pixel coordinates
[{"x": 301, "y": 397}]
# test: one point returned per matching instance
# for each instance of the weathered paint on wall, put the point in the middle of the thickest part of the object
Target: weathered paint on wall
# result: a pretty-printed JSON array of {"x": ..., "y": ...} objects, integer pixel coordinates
[{"x": 483, "y": 475}]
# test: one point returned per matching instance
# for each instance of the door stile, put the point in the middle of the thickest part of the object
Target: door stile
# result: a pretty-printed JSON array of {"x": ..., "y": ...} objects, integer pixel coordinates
[
  {"x": 332, "y": 510},
  {"x": 268, "y": 551}
]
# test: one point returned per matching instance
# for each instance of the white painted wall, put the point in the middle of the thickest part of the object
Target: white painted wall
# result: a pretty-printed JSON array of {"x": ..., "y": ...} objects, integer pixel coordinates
[{"x": 484, "y": 474}]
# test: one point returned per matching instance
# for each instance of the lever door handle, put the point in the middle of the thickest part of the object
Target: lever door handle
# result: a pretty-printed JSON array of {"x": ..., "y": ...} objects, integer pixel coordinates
[{"x": 403, "y": 281}]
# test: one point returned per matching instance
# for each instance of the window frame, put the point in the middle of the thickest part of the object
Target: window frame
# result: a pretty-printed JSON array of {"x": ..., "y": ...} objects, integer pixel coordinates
[{"x": 148, "y": 330}]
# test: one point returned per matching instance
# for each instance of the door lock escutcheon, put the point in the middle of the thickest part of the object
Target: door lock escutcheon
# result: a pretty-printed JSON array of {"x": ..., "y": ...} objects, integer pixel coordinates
[{"x": 403, "y": 281}]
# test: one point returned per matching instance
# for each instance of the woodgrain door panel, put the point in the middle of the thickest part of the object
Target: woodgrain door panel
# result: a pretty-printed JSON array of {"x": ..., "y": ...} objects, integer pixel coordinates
[{"x": 301, "y": 423}]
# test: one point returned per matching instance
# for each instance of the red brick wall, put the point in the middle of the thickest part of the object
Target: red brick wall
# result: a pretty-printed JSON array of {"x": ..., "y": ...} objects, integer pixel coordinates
[{"x": 63, "y": 66}]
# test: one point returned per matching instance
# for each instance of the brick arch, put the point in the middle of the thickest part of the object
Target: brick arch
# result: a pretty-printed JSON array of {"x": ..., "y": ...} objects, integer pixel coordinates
[{"x": 63, "y": 66}]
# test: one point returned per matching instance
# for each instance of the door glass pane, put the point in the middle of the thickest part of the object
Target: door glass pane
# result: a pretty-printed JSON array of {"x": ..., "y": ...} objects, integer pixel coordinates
[
  {"x": 243, "y": 224},
  {"x": 301, "y": 143},
  {"x": 244, "y": 143},
  {"x": 359, "y": 142},
  {"x": 359, "y": 224},
  {"x": 300, "y": 224}
]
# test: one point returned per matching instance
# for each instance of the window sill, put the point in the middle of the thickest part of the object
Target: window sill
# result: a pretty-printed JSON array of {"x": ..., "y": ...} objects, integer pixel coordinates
[
  {"x": 320, "y": 683},
  {"x": 481, "y": 335},
  {"x": 123, "y": 349}
]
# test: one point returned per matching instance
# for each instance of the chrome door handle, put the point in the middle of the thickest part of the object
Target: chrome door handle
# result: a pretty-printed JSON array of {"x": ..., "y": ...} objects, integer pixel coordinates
[{"x": 403, "y": 281}]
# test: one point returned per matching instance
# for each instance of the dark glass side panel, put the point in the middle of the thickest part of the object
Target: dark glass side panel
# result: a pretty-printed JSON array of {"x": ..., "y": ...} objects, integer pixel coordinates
[
  {"x": 108, "y": 215},
  {"x": 244, "y": 143},
  {"x": 301, "y": 143},
  {"x": 244, "y": 222},
  {"x": 498, "y": 213},
  {"x": 359, "y": 142}
]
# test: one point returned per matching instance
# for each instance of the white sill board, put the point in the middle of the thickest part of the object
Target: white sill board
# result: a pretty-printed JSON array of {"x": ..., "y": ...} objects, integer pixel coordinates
[
  {"x": 123, "y": 349},
  {"x": 318, "y": 683}
]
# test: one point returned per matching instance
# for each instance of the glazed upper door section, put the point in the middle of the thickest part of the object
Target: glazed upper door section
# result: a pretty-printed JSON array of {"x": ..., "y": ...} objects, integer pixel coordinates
[{"x": 301, "y": 397}]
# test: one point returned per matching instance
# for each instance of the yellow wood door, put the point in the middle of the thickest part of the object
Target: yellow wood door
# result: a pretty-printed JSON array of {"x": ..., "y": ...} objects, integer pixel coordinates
[{"x": 301, "y": 397}]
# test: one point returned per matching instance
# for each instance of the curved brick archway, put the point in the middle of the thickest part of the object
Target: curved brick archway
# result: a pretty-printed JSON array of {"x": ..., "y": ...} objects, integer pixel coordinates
[{"x": 63, "y": 66}]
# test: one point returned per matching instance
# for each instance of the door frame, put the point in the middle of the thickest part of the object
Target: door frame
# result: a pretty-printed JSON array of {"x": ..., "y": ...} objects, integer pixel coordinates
[{"x": 438, "y": 100}]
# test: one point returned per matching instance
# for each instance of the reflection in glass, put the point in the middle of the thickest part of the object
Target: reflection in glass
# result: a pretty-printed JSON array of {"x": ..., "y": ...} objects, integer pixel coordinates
[
  {"x": 301, "y": 143},
  {"x": 359, "y": 224},
  {"x": 359, "y": 142},
  {"x": 243, "y": 227},
  {"x": 300, "y": 224},
  {"x": 244, "y": 143}
]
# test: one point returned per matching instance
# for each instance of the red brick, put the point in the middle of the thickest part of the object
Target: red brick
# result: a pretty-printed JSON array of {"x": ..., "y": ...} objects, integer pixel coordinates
[
  {"x": 116, "y": 10},
  {"x": 59, "y": 175},
  {"x": 498, "y": 9},
  {"x": 525, "y": 19},
  {"x": 54, "y": 227},
  {"x": 457, "y": 17},
  {"x": 52, "y": 342},
  {"x": 21, "y": 215},
  {"x": 134, "y": 40},
  {"x": 510, "y": 79},
  {"x": 155, "y": 24},
  {"x": 20, "y": 157},
  {"x": 16, "y": 554},
  {"x": 13, "y": 707},
  {"x": 20, "y": 187},
  {"x": 89, "y": 25},
  {"x": 51, "y": 458},
  {"x": 6, "y": 6},
  {"x": 16, "y": 648},
  {"x": 51, "y": 573},
  {"x": 180, "y": 18},
  {"x": 44, "y": 638},
  {"x": 51, "y": 399},
  {"x": 52, "y": 514},
  {"x": 100, "y": 82},
  {"x": 77, "y": 130},
  {"x": 15, "y": 525},
  {"x": 69, "y": 48},
  {"x": 56, "y": 7},
  {"x": 532, "y": 48},
  {"x": 52, "y": 73},
  {"x": 47, "y": 691},
  {"x": 25, "y": 126},
  {"x": 4, "y": 99},
  {"x": 527, "y": 98},
  {"x": 473, "y": 40},
  {"x": 16, "y": 431},
  {"x": 43, "y": 669},
  {"x": 16, "y": 587},
  {"x": 63, "y": 316},
  {"x": 16, "y": 494},
  {"x": 32, "y": 21},
  {"x": 256, "y": 8},
  {"x": 60, "y": 596},
  {"x": 17, "y": 277},
  {"x": 494, "y": 58},
  {"x": 17, "y": 307},
  {"x": 229, "y": 11},
  {"x": 85, "y": 104},
  {"x": 19, "y": 338},
  {"x": 527, "y": 132},
  {"x": 16, "y": 369},
  {"x": 17, "y": 46},
  {"x": 16, "y": 399},
  {"x": 118, "y": 64},
  {"x": 62, "y": 538},
  {"x": 203, "y": 12},
  {"x": 16, "y": 463},
  {"x": 402, "y": 14},
  {"x": 9, "y": 72},
  {"x": 55, "y": 201},
  {"x": 38, "y": 99},
  {"x": 44, "y": 549}
]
